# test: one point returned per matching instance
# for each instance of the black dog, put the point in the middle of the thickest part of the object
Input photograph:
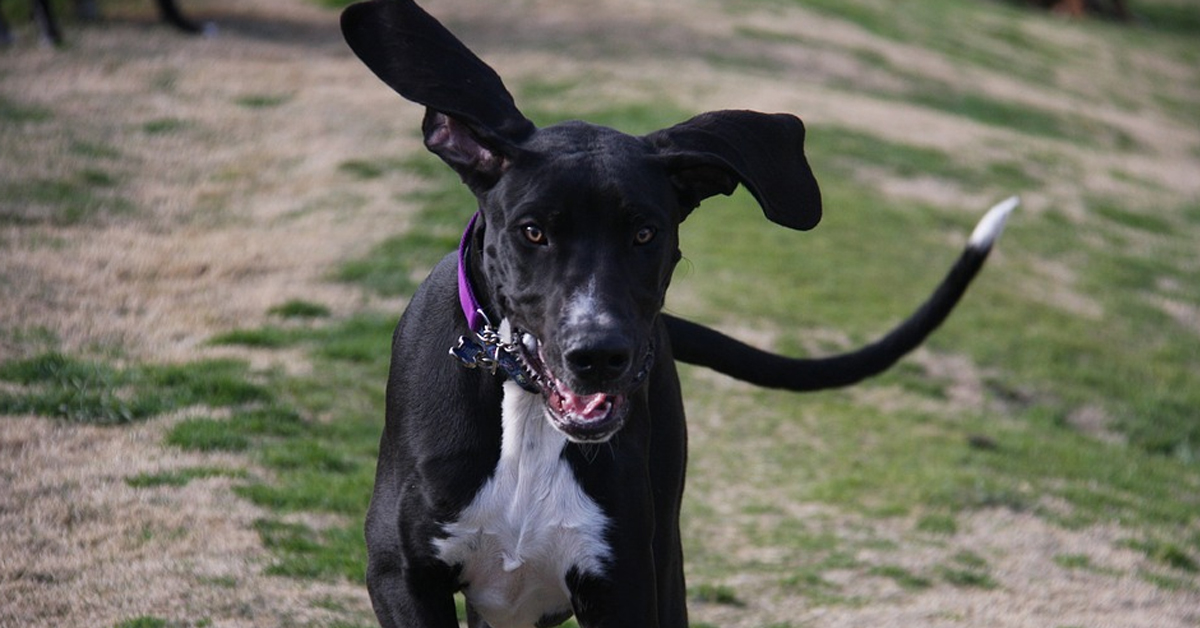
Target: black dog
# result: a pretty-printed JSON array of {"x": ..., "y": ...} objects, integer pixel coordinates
[
  {"x": 87, "y": 9},
  {"x": 541, "y": 470}
]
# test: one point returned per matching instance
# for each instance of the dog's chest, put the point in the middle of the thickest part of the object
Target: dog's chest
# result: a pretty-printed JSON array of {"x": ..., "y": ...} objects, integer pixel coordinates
[{"x": 528, "y": 526}]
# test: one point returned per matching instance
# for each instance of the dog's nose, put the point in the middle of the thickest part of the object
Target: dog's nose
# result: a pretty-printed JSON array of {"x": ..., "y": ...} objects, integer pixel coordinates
[{"x": 600, "y": 360}]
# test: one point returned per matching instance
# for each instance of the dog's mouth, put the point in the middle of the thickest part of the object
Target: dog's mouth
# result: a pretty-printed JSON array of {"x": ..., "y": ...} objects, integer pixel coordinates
[{"x": 582, "y": 418}]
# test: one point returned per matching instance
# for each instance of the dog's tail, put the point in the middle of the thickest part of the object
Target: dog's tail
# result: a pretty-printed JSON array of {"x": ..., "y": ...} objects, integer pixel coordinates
[{"x": 696, "y": 344}]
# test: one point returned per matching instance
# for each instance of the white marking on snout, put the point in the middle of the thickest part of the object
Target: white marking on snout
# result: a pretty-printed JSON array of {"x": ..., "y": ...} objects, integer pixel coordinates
[
  {"x": 584, "y": 308},
  {"x": 528, "y": 526}
]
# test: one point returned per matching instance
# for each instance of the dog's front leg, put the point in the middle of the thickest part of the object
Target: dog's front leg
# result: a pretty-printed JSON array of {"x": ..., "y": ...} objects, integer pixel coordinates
[
  {"x": 617, "y": 475},
  {"x": 624, "y": 598},
  {"x": 403, "y": 600},
  {"x": 408, "y": 587}
]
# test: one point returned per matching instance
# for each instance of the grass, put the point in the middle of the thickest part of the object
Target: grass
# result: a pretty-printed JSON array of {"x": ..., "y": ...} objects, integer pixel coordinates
[
  {"x": 849, "y": 150},
  {"x": 181, "y": 477},
  {"x": 1020, "y": 117},
  {"x": 206, "y": 435},
  {"x": 716, "y": 594},
  {"x": 301, "y": 552},
  {"x": 165, "y": 126},
  {"x": 903, "y": 577},
  {"x": 83, "y": 182},
  {"x": 18, "y": 113},
  {"x": 144, "y": 621},
  {"x": 262, "y": 101},
  {"x": 70, "y": 200},
  {"x": 397, "y": 265},
  {"x": 1167, "y": 554},
  {"x": 53, "y": 384},
  {"x": 317, "y": 464},
  {"x": 938, "y": 523},
  {"x": 319, "y": 440},
  {"x": 300, "y": 309},
  {"x": 909, "y": 460},
  {"x": 969, "y": 562},
  {"x": 366, "y": 169},
  {"x": 900, "y": 461}
]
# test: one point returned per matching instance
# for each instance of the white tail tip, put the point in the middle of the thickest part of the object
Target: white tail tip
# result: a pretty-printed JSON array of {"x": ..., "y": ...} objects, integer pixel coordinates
[{"x": 992, "y": 225}]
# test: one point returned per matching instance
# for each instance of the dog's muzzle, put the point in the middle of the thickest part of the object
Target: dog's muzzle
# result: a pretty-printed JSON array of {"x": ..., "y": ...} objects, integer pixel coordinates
[{"x": 582, "y": 418}]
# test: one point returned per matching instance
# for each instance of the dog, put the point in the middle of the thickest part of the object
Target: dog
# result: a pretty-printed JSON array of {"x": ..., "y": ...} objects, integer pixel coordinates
[
  {"x": 539, "y": 469},
  {"x": 87, "y": 9}
]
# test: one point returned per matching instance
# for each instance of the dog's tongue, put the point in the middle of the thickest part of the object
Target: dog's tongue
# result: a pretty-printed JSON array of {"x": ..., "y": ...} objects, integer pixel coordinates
[{"x": 586, "y": 407}]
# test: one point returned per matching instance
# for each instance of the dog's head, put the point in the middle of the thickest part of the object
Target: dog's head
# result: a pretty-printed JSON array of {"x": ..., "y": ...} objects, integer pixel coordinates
[{"x": 578, "y": 234}]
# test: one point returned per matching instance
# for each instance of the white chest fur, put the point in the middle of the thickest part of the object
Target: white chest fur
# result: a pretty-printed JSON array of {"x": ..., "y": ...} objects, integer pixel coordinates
[{"x": 528, "y": 526}]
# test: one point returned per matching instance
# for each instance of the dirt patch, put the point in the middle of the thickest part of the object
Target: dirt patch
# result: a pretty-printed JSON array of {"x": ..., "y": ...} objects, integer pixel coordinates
[
  {"x": 1029, "y": 560},
  {"x": 235, "y": 212},
  {"x": 83, "y": 547}
]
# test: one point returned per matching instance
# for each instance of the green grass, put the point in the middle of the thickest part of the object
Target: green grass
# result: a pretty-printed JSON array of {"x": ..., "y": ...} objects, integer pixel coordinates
[
  {"x": 366, "y": 169},
  {"x": 1167, "y": 554},
  {"x": 206, "y": 435},
  {"x": 320, "y": 446},
  {"x": 1173, "y": 18},
  {"x": 334, "y": 4},
  {"x": 144, "y": 621},
  {"x": 166, "y": 126},
  {"x": 938, "y": 523},
  {"x": 300, "y": 309},
  {"x": 180, "y": 477},
  {"x": 1167, "y": 582},
  {"x": 18, "y": 113},
  {"x": 842, "y": 152},
  {"x": 399, "y": 263},
  {"x": 265, "y": 338},
  {"x": 1136, "y": 220},
  {"x": 301, "y": 552},
  {"x": 1073, "y": 561},
  {"x": 317, "y": 435},
  {"x": 903, "y": 577},
  {"x": 716, "y": 594},
  {"x": 262, "y": 101},
  {"x": 71, "y": 200},
  {"x": 94, "y": 150},
  {"x": 53, "y": 384},
  {"x": 1083, "y": 562}
]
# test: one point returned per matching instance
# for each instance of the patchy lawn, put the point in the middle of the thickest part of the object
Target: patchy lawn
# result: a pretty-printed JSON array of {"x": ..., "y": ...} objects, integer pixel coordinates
[{"x": 204, "y": 244}]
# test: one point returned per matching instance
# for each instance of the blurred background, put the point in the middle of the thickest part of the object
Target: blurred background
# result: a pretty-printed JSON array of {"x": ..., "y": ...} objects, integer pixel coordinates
[{"x": 205, "y": 240}]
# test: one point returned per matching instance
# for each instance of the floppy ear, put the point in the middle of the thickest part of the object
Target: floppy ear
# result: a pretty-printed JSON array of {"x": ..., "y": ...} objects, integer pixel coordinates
[
  {"x": 713, "y": 152},
  {"x": 471, "y": 120}
]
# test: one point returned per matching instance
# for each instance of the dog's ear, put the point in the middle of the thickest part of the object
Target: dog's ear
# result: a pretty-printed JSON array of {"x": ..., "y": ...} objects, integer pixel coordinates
[
  {"x": 471, "y": 120},
  {"x": 713, "y": 152}
]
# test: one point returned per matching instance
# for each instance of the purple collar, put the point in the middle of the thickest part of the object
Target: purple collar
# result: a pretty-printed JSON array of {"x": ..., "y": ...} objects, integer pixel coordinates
[
  {"x": 466, "y": 294},
  {"x": 483, "y": 347}
]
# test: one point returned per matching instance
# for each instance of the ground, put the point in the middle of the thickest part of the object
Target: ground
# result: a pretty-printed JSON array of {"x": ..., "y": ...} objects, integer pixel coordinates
[{"x": 207, "y": 181}]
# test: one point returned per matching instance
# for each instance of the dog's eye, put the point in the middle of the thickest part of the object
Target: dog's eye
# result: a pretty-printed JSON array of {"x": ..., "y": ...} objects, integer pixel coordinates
[
  {"x": 534, "y": 234},
  {"x": 645, "y": 235}
]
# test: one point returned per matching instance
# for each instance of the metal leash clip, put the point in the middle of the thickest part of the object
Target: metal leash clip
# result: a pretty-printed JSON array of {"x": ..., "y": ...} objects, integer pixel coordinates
[
  {"x": 488, "y": 351},
  {"x": 472, "y": 354}
]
